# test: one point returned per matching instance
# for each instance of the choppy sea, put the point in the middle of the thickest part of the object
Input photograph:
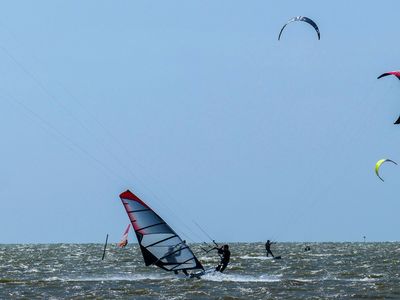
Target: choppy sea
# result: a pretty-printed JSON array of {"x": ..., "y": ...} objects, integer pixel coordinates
[{"x": 328, "y": 271}]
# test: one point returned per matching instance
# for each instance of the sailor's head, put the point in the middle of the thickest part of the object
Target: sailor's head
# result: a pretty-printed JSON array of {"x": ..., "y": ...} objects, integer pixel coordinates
[
  {"x": 226, "y": 247},
  {"x": 267, "y": 241}
]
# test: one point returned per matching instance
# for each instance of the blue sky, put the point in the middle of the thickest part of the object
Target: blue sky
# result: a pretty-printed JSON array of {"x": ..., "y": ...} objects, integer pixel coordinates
[{"x": 197, "y": 108}]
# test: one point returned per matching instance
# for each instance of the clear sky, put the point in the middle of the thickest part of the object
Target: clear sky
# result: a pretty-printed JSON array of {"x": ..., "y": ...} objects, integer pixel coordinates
[{"x": 197, "y": 108}]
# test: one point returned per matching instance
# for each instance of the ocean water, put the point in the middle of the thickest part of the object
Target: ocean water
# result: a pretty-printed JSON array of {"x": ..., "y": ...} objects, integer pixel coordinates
[{"x": 328, "y": 271}]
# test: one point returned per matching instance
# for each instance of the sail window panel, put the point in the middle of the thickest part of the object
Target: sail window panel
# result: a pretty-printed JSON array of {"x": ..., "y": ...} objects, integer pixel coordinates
[
  {"x": 162, "y": 253},
  {"x": 179, "y": 256},
  {"x": 134, "y": 205},
  {"x": 173, "y": 256},
  {"x": 161, "y": 240},
  {"x": 159, "y": 228},
  {"x": 146, "y": 218}
]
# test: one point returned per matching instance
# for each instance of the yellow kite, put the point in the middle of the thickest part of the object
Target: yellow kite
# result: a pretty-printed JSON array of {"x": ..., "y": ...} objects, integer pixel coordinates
[{"x": 378, "y": 165}]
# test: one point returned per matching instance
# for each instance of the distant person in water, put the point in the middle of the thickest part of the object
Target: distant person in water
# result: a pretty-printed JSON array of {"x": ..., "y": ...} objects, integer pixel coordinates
[
  {"x": 225, "y": 257},
  {"x": 268, "y": 247},
  {"x": 123, "y": 243},
  {"x": 307, "y": 248}
]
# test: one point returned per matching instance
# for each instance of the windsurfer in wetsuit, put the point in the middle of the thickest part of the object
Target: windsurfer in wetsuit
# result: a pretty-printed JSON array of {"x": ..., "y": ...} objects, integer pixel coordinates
[
  {"x": 268, "y": 247},
  {"x": 225, "y": 257}
]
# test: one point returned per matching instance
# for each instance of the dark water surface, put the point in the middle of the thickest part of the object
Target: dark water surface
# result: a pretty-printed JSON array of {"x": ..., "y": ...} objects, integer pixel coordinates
[{"x": 328, "y": 271}]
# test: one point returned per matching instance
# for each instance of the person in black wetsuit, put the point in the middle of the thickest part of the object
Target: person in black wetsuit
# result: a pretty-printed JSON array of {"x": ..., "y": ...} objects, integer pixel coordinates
[
  {"x": 225, "y": 257},
  {"x": 268, "y": 247}
]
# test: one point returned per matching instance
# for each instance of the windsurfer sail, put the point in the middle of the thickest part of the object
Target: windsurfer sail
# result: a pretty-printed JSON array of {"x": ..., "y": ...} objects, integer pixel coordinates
[
  {"x": 124, "y": 240},
  {"x": 160, "y": 245}
]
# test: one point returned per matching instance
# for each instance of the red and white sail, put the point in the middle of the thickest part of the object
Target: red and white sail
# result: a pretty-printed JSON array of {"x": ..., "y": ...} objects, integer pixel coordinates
[
  {"x": 160, "y": 245},
  {"x": 124, "y": 239}
]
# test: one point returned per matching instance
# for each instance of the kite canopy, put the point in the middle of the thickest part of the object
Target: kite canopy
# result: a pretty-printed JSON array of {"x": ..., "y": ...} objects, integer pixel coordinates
[
  {"x": 303, "y": 19},
  {"x": 378, "y": 165},
  {"x": 394, "y": 73},
  {"x": 397, "y": 74}
]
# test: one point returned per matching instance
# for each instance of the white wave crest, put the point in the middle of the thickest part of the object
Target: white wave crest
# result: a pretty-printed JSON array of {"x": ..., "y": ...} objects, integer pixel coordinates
[
  {"x": 136, "y": 277},
  {"x": 256, "y": 257},
  {"x": 240, "y": 278}
]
